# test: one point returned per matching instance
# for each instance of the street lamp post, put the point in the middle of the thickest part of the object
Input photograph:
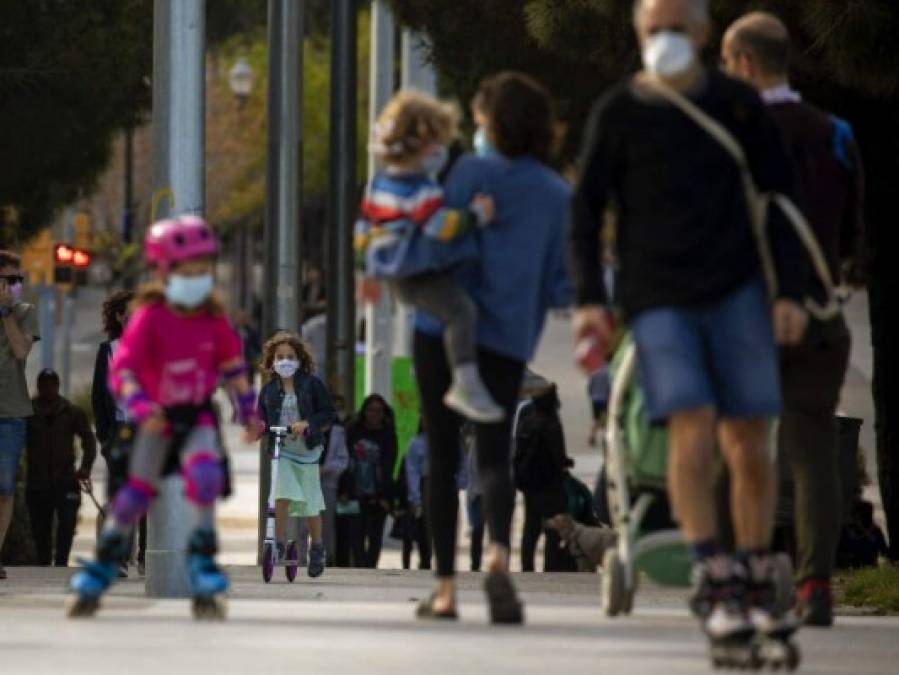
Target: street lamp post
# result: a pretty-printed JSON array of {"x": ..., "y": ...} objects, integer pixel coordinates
[{"x": 240, "y": 79}]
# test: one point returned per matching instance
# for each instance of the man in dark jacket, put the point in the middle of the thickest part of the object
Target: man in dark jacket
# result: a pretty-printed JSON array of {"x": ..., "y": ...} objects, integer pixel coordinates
[
  {"x": 51, "y": 487},
  {"x": 828, "y": 167}
]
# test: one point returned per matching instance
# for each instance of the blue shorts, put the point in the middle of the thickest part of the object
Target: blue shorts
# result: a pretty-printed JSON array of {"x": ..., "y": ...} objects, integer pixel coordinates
[
  {"x": 12, "y": 442},
  {"x": 720, "y": 355}
]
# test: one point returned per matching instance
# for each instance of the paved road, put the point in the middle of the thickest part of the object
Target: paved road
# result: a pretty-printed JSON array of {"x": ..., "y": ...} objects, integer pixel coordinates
[{"x": 361, "y": 622}]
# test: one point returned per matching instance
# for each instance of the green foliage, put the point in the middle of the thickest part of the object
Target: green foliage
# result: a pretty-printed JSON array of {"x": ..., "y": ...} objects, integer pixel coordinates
[
  {"x": 70, "y": 75},
  {"x": 875, "y": 587},
  {"x": 246, "y": 201}
]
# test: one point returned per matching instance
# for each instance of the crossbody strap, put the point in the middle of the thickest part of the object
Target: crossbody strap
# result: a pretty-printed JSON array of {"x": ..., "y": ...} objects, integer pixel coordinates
[{"x": 757, "y": 203}]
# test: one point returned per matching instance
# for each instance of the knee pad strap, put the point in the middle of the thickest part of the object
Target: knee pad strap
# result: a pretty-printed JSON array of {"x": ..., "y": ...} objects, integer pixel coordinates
[{"x": 204, "y": 478}]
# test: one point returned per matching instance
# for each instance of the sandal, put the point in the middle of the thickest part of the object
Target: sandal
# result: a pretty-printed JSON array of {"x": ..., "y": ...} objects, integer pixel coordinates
[
  {"x": 505, "y": 607},
  {"x": 426, "y": 610}
]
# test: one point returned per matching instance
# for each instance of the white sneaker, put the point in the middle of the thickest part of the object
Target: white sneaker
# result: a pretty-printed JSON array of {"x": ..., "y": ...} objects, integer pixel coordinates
[{"x": 474, "y": 402}]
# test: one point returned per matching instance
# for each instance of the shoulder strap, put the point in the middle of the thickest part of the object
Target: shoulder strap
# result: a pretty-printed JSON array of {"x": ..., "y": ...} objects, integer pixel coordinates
[{"x": 758, "y": 203}]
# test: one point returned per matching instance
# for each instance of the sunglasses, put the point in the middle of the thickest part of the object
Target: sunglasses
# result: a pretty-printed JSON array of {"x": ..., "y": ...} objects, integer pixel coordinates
[{"x": 12, "y": 279}]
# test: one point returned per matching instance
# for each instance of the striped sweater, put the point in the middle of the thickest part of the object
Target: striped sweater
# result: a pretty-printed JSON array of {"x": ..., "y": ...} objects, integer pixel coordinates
[{"x": 396, "y": 211}]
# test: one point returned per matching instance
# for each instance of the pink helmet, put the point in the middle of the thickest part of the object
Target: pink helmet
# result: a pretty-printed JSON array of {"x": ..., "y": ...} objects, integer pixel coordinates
[{"x": 178, "y": 239}]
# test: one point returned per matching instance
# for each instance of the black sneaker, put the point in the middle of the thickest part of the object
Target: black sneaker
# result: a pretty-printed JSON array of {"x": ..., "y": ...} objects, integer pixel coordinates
[{"x": 814, "y": 603}]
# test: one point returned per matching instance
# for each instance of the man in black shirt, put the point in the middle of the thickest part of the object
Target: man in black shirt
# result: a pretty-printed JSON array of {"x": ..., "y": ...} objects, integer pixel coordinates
[
  {"x": 691, "y": 287},
  {"x": 828, "y": 167}
]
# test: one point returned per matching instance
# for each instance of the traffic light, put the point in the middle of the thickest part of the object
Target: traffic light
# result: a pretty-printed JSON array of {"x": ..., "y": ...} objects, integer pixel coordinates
[
  {"x": 63, "y": 257},
  {"x": 70, "y": 265},
  {"x": 81, "y": 260}
]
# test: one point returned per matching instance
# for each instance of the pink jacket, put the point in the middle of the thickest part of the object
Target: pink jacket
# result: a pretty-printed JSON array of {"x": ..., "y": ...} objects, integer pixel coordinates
[{"x": 176, "y": 360}]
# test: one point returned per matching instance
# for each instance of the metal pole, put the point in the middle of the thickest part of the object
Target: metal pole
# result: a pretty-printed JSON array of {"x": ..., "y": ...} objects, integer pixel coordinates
[
  {"x": 341, "y": 321},
  {"x": 283, "y": 188},
  {"x": 128, "y": 187},
  {"x": 47, "y": 318},
  {"x": 417, "y": 73},
  {"x": 378, "y": 315},
  {"x": 178, "y": 150}
]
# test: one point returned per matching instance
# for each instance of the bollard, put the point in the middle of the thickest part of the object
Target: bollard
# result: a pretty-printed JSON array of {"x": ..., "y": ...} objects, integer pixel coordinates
[{"x": 169, "y": 524}]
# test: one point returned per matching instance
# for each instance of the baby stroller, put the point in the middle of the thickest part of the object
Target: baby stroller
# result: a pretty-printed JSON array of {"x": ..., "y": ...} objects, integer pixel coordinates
[{"x": 636, "y": 456}]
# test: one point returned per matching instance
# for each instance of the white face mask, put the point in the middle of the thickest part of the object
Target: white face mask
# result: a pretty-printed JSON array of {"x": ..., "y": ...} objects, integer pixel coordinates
[
  {"x": 16, "y": 291},
  {"x": 434, "y": 162},
  {"x": 668, "y": 54},
  {"x": 286, "y": 367},
  {"x": 188, "y": 292}
]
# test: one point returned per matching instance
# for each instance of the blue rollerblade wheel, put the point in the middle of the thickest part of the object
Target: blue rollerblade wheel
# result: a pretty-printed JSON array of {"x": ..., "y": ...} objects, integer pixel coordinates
[
  {"x": 293, "y": 559},
  {"x": 268, "y": 561}
]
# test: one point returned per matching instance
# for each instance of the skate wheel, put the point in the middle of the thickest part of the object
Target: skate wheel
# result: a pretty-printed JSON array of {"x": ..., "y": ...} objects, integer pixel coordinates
[
  {"x": 208, "y": 608},
  {"x": 612, "y": 586},
  {"x": 784, "y": 583},
  {"x": 293, "y": 557},
  {"x": 269, "y": 552},
  {"x": 82, "y": 608}
]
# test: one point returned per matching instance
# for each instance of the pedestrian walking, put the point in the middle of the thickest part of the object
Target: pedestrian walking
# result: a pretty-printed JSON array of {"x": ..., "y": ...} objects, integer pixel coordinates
[
  {"x": 293, "y": 397},
  {"x": 756, "y": 49},
  {"x": 519, "y": 274},
  {"x": 52, "y": 489},
  {"x": 540, "y": 464},
  {"x": 18, "y": 334},
  {"x": 372, "y": 444},
  {"x": 176, "y": 350},
  {"x": 407, "y": 236},
  {"x": 334, "y": 462},
  {"x": 691, "y": 286},
  {"x": 417, "y": 477},
  {"x": 110, "y": 416}
]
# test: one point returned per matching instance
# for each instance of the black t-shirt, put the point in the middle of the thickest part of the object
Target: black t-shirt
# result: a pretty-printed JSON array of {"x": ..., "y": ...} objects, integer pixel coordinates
[{"x": 683, "y": 231}]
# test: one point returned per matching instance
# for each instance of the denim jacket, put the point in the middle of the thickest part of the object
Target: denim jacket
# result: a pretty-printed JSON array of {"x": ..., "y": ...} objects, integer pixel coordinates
[{"x": 313, "y": 402}]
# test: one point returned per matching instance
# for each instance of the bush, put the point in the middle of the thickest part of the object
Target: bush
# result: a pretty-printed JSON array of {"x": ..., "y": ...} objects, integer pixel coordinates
[{"x": 876, "y": 587}]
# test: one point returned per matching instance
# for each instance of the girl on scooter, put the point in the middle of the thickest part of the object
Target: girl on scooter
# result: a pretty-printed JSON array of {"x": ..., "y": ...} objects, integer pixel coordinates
[{"x": 293, "y": 397}]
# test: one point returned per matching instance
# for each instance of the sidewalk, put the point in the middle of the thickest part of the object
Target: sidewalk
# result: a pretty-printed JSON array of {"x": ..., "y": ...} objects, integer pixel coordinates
[{"x": 362, "y": 622}]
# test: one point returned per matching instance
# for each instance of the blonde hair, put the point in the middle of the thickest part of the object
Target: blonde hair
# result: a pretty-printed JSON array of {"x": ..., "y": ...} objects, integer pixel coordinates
[
  {"x": 410, "y": 122},
  {"x": 295, "y": 342}
]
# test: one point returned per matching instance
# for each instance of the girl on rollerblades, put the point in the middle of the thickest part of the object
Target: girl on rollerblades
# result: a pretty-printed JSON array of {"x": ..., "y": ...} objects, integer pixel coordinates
[{"x": 176, "y": 350}]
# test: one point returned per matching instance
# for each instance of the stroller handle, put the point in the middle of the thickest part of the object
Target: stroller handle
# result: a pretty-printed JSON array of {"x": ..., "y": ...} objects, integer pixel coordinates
[{"x": 278, "y": 431}]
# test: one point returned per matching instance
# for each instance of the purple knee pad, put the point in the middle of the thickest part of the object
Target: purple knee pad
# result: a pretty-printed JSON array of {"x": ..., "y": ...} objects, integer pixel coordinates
[
  {"x": 132, "y": 501},
  {"x": 203, "y": 478}
]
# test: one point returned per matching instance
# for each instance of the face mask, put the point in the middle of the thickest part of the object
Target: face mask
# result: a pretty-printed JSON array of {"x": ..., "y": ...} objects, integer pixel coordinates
[
  {"x": 667, "y": 54},
  {"x": 286, "y": 367},
  {"x": 188, "y": 292},
  {"x": 16, "y": 291},
  {"x": 482, "y": 145},
  {"x": 434, "y": 162}
]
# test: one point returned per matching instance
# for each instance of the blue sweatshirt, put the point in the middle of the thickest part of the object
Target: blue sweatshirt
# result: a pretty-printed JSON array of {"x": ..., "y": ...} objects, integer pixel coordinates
[{"x": 520, "y": 272}]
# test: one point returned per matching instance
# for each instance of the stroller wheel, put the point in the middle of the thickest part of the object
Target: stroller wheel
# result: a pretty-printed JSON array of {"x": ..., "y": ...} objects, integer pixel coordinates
[
  {"x": 784, "y": 584},
  {"x": 616, "y": 599}
]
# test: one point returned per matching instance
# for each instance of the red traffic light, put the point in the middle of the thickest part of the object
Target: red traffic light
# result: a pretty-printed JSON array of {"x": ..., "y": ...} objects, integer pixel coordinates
[
  {"x": 63, "y": 254},
  {"x": 81, "y": 258}
]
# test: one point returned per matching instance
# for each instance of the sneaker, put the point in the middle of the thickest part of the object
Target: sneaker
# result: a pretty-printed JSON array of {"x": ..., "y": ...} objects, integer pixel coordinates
[
  {"x": 316, "y": 560},
  {"x": 2, "y": 572},
  {"x": 814, "y": 603},
  {"x": 473, "y": 402}
]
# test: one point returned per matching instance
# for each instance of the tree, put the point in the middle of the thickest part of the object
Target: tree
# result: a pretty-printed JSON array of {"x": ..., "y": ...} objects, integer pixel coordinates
[
  {"x": 70, "y": 75},
  {"x": 846, "y": 56}
]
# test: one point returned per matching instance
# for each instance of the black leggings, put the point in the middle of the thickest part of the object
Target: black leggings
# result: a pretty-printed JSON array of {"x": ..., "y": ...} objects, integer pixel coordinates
[
  {"x": 61, "y": 501},
  {"x": 502, "y": 377}
]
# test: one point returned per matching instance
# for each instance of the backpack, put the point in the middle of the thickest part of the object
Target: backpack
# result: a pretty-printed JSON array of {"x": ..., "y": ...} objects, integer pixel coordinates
[
  {"x": 366, "y": 467},
  {"x": 532, "y": 467}
]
